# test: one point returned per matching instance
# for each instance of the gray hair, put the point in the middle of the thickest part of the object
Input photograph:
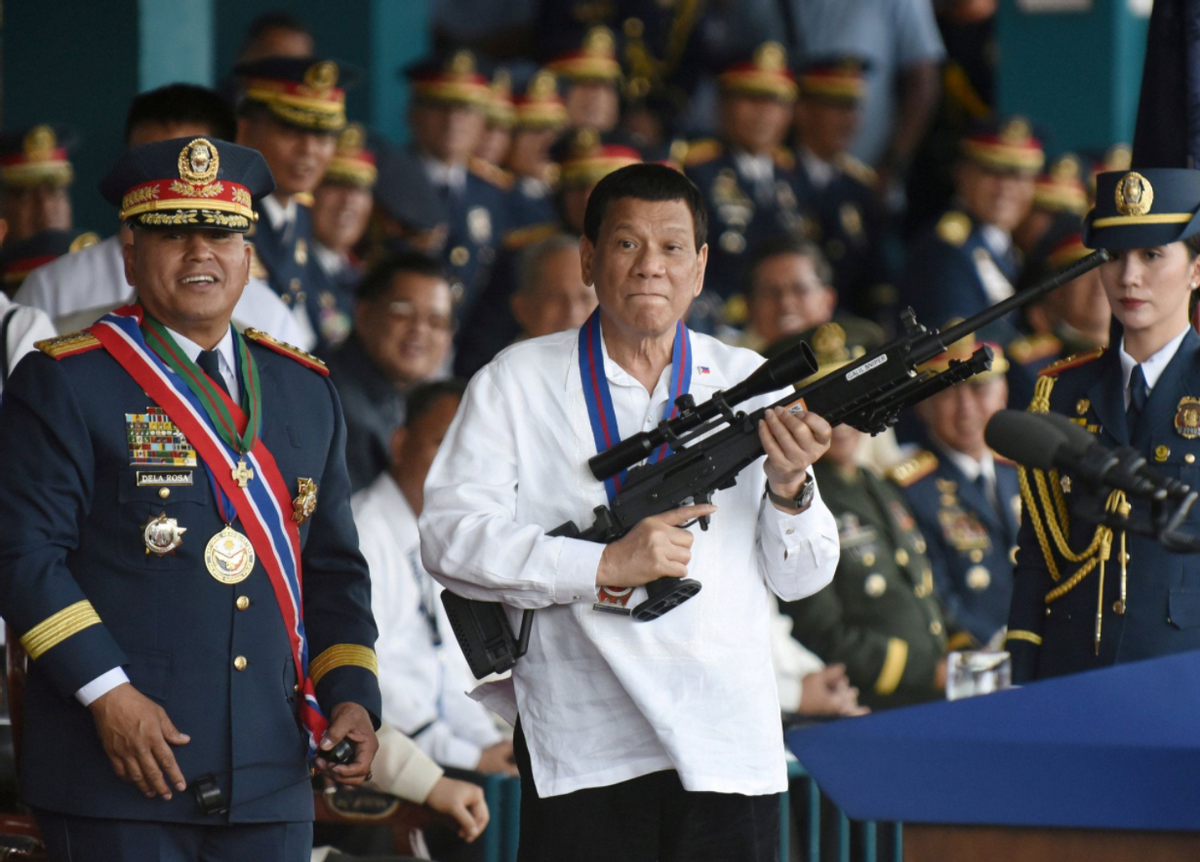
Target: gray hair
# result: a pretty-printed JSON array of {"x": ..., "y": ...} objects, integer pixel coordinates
[{"x": 532, "y": 258}]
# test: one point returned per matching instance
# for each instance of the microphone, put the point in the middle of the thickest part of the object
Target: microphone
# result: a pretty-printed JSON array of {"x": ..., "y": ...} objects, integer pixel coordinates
[
  {"x": 210, "y": 800},
  {"x": 1047, "y": 441}
]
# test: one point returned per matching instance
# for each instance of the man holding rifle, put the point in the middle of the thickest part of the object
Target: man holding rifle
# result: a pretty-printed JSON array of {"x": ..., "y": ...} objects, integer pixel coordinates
[{"x": 636, "y": 741}]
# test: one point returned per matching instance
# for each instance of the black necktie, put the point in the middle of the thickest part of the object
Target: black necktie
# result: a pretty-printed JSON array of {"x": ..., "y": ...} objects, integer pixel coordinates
[
  {"x": 1138, "y": 394},
  {"x": 210, "y": 363}
]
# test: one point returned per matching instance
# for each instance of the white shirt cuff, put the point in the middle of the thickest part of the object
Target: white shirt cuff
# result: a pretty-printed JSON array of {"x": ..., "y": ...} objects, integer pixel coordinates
[
  {"x": 101, "y": 685},
  {"x": 575, "y": 575}
]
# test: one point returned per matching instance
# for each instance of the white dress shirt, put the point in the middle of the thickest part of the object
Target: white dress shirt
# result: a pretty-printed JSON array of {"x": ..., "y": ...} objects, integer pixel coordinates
[
  {"x": 26, "y": 327},
  {"x": 759, "y": 169},
  {"x": 1152, "y": 367},
  {"x": 446, "y": 176},
  {"x": 604, "y": 699},
  {"x": 79, "y": 288},
  {"x": 820, "y": 172},
  {"x": 422, "y": 673},
  {"x": 110, "y": 679}
]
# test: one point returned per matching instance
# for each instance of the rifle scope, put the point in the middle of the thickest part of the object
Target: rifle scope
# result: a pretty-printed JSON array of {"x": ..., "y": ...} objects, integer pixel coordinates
[{"x": 782, "y": 371}]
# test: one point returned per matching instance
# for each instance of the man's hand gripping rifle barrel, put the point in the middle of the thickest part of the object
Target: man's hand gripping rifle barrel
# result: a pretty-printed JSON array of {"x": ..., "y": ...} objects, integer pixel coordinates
[{"x": 712, "y": 443}]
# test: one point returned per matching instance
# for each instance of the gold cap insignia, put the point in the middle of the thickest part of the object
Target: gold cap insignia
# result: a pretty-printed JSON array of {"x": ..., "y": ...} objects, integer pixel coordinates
[
  {"x": 1016, "y": 131},
  {"x": 351, "y": 140},
  {"x": 502, "y": 84},
  {"x": 586, "y": 141},
  {"x": 40, "y": 141},
  {"x": 599, "y": 42},
  {"x": 1187, "y": 418},
  {"x": 1065, "y": 168},
  {"x": 1118, "y": 157},
  {"x": 543, "y": 84},
  {"x": 770, "y": 57},
  {"x": 321, "y": 76},
  {"x": 1134, "y": 194},
  {"x": 462, "y": 63},
  {"x": 198, "y": 162}
]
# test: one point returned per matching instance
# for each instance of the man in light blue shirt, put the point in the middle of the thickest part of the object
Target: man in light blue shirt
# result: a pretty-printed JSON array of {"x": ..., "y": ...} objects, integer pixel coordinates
[{"x": 900, "y": 41}]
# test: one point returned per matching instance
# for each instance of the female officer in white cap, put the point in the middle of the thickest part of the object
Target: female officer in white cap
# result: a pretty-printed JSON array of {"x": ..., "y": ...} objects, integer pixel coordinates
[{"x": 1084, "y": 596}]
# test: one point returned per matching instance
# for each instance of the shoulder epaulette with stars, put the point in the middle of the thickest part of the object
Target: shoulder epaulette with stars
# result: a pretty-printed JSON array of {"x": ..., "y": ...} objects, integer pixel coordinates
[
  {"x": 862, "y": 172},
  {"x": 1055, "y": 368},
  {"x": 705, "y": 150},
  {"x": 1031, "y": 348},
  {"x": 257, "y": 268},
  {"x": 954, "y": 227},
  {"x": 68, "y": 345},
  {"x": 301, "y": 356},
  {"x": 305, "y": 199},
  {"x": 915, "y": 468},
  {"x": 492, "y": 174}
]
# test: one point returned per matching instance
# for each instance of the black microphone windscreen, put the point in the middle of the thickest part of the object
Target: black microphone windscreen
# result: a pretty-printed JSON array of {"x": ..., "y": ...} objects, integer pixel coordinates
[
  {"x": 1025, "y": 438},
  {"x": 1078, "y": 438}
]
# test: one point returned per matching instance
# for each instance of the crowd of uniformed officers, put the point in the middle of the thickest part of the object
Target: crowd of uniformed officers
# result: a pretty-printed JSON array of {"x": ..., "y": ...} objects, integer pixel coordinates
[{"x": 844, "y": 179}]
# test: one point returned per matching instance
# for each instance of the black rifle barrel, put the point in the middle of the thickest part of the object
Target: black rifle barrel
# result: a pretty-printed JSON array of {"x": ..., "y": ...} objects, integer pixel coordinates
[{"x": 1022, "y": 298}]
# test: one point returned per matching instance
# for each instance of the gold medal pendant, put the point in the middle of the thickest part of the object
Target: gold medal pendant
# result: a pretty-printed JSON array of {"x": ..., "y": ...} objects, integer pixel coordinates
[{"x": 229, "y": 556}]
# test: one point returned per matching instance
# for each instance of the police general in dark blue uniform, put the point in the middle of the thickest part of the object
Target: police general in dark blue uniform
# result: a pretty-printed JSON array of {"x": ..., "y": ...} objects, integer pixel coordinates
[
  {"x": 159, "y": 652},
  {"x": 1077, "y": 602}
]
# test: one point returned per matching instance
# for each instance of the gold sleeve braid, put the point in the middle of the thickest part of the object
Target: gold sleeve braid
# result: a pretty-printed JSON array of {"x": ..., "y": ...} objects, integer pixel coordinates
[
  {"x": 59, "y": 626},
  {"x": 342, "y": 655}
]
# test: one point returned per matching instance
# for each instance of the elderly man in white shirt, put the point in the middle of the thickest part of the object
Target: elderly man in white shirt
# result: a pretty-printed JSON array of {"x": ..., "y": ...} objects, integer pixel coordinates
[
  {"x": 423, "y": 676},
  {"x": 637, "y": 741}
]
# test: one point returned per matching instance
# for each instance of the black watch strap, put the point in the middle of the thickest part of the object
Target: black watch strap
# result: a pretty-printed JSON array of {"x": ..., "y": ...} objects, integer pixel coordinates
[{"x": 801, "y": 500}]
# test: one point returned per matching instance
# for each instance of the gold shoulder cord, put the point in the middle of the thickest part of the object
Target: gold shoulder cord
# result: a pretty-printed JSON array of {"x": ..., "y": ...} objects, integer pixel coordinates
[{"x": 1054, "y": 515}]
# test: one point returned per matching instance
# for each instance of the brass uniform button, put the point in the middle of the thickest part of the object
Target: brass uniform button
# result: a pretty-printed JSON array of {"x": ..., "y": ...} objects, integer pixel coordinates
[
  {"x": 1189, "y": 458},
  {"x": 1161, "y": 453},
  {"x": 935, "y": 628},
  {"x": 240, "y": 663},
  {"x": 1082, "y": 405},
  {"x": 976, "y": 556},
  {"x": 1119, "y": 607},
  {"x": 243, "y": 602},
  {"x": 459, "y": 255},
  {"x": 296, "y": 687},
  {"x": 919, "y": 591},
  {"x": 868, "y": 559},
  {"x": 1047, "y": 612},
  {"x": 901, "y": 557},
  {"x": 920, "y": 546},
  {"x": 164, "y": 492}
]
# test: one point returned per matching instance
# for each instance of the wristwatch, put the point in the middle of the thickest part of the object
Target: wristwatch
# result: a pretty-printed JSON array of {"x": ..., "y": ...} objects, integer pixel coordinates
[{"x": 801, "y": 500}]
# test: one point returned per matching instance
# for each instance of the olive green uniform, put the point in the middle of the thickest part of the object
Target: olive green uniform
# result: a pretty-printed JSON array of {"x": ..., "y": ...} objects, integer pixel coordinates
[{"x": 880, "y": 616}]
